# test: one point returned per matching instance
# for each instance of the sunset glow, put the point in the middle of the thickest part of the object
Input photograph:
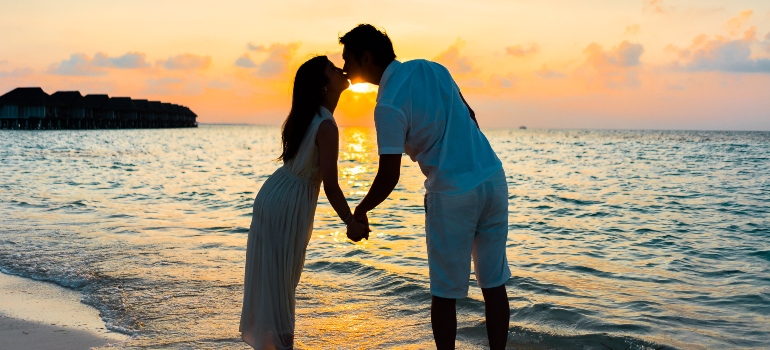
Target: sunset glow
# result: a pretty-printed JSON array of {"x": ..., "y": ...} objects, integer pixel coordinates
[
  {"x": 363, "y": 88},
  {"x": 655, "y": 64}
]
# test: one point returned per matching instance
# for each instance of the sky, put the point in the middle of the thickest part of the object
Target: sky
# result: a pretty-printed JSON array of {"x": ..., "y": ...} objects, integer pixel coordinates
[{"x": 607, "y": 64}]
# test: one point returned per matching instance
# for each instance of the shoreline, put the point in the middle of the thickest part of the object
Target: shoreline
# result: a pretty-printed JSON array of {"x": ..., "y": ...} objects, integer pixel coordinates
[{"x": 42, "y": 315}]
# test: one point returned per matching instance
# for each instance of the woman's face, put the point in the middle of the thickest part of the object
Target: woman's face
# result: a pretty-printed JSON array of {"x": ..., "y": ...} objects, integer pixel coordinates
[{"x": 338, "y": 81}]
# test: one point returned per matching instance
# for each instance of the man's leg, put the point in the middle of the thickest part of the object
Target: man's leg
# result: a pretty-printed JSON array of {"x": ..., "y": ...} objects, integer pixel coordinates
[
  {"x": 443, "y": 318},
  {"x": 498, "y": 314},
  {"x": 490, "y": 260},
  {"x": 450, "y": 224}
]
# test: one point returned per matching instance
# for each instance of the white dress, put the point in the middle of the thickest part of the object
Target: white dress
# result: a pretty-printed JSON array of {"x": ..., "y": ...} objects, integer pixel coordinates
[{"x": 275, "y": 252}]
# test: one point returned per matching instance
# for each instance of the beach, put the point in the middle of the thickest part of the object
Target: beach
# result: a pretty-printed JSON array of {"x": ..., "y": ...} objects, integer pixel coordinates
[
  {"x": 624, "y": 239},
  {"x": 41, "y": 315}
]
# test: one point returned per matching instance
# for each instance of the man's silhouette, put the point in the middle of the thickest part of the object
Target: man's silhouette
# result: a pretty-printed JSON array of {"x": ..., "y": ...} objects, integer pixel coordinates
[{"x": 421, "y": 112}]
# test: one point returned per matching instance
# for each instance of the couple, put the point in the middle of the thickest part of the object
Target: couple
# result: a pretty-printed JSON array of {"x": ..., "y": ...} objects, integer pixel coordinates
[{"x": 421, "y": 112}]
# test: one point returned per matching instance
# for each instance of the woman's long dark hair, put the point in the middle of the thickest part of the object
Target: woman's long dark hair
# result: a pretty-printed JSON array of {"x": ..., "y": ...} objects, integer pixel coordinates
[{"x": 306, "y": 98}]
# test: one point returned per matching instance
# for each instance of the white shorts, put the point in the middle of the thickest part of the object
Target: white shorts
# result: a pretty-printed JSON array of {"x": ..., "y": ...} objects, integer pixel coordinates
[{"x": 474, "y": 224}]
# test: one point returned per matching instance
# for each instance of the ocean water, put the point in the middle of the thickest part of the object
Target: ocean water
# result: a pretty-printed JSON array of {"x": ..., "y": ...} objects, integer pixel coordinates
[{"x": 617, "y": 239}]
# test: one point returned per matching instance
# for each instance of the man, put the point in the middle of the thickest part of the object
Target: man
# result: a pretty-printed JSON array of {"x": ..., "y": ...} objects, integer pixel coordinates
[{"x": 421, "y": 112}]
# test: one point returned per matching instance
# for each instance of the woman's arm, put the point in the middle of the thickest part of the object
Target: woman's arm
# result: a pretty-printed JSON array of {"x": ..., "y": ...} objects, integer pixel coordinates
[{"x": 327, "y": 139}]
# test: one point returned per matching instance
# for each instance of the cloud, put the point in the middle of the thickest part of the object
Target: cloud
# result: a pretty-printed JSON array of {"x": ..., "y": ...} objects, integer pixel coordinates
[
  {"x": 632, "y": 30},
  {"x": 653, "y": 6},
  {"x": 452, "y": 59},
  {"x": 767, "y": 42},
  {"x": 245, "y": 62},
  {"x": 130, "y": 60},
  {"x": 504, "y": 81},
  {"x": 16, "y": 73},
  {"x": 522, "y": 51},
  {"x": 81, "y": 65},
  {"x": 628, "y": 54},
  {"x": 624, "y": 55},
  {"x": 546, "y": 73},
  {"x": 186, "y": 62},
  {"x": 724, "y": 54},
  {"x": 252, "y": 47},
  {"x": 270, "y": 62},
  {"x": 735, "y": 25},
  {"x": 278, "y": 58},
  {"x": 612, "y": 68},
  {"x": 77, "y": 65}
]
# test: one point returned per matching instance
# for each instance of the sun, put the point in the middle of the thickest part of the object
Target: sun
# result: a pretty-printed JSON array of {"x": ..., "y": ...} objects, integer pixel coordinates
[{"x": 363, "y": 88}]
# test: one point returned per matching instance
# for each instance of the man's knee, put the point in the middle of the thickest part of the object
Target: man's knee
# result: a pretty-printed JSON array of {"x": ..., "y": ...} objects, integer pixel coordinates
[
  {"x": 440, "y": 301},
  {"x": 494, "y": 290}
]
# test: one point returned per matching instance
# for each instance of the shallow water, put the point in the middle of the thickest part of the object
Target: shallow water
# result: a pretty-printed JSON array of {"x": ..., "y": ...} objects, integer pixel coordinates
[{"x": 617, "y": 239}]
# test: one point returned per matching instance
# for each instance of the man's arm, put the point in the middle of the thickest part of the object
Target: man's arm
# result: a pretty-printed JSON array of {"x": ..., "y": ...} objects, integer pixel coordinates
[
  {"x": 473, "y": 114},
  {"x": 386, "y": 180}
]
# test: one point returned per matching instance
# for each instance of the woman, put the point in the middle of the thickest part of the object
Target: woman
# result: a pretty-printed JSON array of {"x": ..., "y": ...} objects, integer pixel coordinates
[{"x": 284, "y": 208}]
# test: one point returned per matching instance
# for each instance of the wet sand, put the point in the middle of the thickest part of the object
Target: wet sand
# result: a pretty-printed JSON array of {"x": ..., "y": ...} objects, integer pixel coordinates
[{"x": 41, "y": 315}]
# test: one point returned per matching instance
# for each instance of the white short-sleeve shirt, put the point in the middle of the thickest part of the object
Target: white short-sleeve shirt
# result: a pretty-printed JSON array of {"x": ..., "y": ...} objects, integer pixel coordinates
[{"x": 419, "y": 112}]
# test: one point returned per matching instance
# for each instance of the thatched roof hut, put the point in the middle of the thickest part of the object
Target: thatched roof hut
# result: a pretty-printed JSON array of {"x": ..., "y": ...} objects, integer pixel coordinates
[
  {"x": 72, "y": 110},
  {"x": 68, "y": 104},
  {"x": 123, "y": 107},
  {"x": 23, "y": 103}
]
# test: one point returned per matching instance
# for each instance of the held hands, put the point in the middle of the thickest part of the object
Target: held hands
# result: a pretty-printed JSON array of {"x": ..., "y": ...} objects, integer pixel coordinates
[{"x": 358, "y": 229}]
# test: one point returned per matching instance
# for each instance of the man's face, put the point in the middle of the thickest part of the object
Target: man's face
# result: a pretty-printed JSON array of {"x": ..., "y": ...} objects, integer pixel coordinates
[{"x": 352, "y": 67}]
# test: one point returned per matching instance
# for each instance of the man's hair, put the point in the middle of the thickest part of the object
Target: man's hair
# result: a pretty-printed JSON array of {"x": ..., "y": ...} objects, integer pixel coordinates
[{"x": 365, "y": 37}]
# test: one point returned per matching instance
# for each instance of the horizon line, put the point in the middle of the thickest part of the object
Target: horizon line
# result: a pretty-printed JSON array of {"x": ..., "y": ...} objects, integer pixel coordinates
[{"x": 518, "y": 128}]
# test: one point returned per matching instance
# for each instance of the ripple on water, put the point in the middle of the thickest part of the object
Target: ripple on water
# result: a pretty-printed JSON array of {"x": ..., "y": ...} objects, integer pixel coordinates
[{"x": 619, "y": 239}]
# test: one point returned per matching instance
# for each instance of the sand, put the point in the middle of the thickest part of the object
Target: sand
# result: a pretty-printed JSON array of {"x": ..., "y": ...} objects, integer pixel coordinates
[{"x": 41, "y": 315}]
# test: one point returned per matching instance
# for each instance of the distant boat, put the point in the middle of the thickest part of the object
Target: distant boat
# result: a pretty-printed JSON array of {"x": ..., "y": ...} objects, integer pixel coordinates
[{"x": 523, "y": 127}]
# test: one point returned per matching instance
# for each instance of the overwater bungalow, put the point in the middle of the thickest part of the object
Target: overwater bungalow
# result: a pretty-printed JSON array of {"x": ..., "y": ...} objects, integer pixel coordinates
[
  {"x": 143, "y": 113},
  {"x": 33, "y": 108},
  {"x": 98, "y": 110},
  {"x": 68, "y": 107},
  {"x": 156, "y": 108},
  {"x": 125, "y": 112},
  {"x": 23, "y": 108}
]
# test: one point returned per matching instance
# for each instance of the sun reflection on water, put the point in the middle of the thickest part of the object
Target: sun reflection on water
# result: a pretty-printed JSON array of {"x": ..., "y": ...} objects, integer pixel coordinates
[{"x": 651, "y": 235}]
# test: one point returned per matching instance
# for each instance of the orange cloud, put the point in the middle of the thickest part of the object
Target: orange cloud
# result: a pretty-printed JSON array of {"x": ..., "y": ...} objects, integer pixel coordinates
[
  {"x": 726, "y": 54},
  {"x": 735, "y": 25},
  {"x": 522, "y": 51},
  {"x": 245, "y": 61},
  {"x": 767, "y": 42},
  {"x": 77, "y": 65},
  {"x": 653, "y": 6},
  {"x": 130, "y": 60},
  {"x": 453, "y": 60},
  {"x": 461, "y": 67},
  {"x": 16, "y": 73},
  {"x": 632, "y": 30},
  {"x": 507, "y": 81},
  {"x": 81, "y": 65},
  {"x": 276, "y": 63},
  {"x": 612, "y": 68},
  {"x": 546, "y": 73}
]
